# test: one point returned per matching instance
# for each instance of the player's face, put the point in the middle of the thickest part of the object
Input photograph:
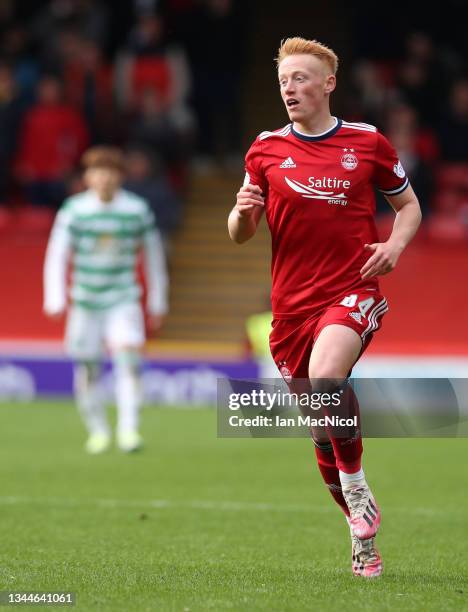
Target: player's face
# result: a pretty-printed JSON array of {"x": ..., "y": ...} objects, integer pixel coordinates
[
  {"x": 305, "y": 84},
  {"x": 105, "y": 181}
]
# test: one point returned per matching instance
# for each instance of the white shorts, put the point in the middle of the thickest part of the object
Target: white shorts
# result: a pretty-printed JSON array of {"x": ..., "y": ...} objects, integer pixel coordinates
[{"x": 90, "y": 332}]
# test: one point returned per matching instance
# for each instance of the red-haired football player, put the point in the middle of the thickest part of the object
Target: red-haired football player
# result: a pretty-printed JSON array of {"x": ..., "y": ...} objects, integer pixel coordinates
[{"x": 314, "y": 180}]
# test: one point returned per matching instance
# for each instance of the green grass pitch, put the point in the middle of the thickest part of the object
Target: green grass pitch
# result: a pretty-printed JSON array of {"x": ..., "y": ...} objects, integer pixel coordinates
[{"x": 197, "y": 523}]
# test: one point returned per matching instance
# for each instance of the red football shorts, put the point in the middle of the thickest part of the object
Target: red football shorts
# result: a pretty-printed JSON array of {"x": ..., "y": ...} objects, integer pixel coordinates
[{"x": 292, "y": 340}]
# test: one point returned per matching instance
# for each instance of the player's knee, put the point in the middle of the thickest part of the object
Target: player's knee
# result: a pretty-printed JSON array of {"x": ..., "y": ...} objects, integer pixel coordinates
[
  {"x": 322, "y": 442},
  {"x": 86, "y": 373},
  {"x": 326, "y": 379},
  {"x": 127, "y": 361}
]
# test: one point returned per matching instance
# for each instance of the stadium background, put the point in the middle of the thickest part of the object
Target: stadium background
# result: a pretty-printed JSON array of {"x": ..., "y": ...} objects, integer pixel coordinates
[
  {"x": 197, "y": 522},
  {"x": 185, "y": 86}
]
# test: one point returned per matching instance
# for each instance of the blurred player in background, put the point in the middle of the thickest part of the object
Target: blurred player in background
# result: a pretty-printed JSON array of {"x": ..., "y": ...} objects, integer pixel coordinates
[
  {"x": 103, "y": 230},
  {"x": 314, "y": 179}
]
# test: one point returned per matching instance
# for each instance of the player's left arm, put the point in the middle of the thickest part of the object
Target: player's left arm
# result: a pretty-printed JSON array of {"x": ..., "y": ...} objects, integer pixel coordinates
[{"x": 408, "y": 218}]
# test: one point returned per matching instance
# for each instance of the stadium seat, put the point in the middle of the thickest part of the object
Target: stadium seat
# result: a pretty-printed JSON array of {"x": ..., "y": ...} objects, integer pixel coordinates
[
  {"x": 32, "y": 220},
  {"x": 6, "y": 220},
  {"x": 443, "y": 227},
  {"x": 448, "y": 202},
  {"x": 453, "y": 177}
]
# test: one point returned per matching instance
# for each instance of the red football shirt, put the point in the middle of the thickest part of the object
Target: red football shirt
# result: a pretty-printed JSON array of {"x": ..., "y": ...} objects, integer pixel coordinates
[{"x": 320, "y": 206}]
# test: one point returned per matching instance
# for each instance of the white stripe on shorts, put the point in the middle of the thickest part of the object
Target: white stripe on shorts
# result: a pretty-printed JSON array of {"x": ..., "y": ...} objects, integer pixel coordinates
[{"x": 376, "y": 312}]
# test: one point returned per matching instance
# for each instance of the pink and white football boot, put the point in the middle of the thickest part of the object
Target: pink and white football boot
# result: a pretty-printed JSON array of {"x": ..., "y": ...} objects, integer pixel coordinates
[
  {"x": 364, "y": 513},
  {"x": 366, "y": 559}
]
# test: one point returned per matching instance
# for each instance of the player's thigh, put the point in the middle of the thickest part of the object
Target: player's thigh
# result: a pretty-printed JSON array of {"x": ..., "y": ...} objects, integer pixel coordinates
[
  {"x": 290, "y": 345},
  {"x": 344, "y": 331},
  {"x": 125, "y": 327},
  {"x": 84, "y": 334},
  {"x": 335, "y": 351}
]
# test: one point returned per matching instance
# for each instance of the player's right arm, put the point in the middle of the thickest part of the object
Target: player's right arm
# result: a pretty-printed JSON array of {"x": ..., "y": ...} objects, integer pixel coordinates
[
  {"x": 55, "y": 266},
  {"x": 245, "y": 216},
  {"x": 250, "y": 202}
]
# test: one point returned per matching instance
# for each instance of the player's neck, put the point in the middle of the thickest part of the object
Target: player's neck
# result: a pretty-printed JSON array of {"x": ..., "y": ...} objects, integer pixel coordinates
[
  {"x": 315, "y": 125},
  {"x": 106, "y": 197}
]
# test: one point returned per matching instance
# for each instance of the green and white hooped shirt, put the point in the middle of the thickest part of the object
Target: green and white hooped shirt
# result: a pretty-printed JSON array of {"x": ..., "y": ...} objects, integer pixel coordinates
[{"x": 104, "y": 240}]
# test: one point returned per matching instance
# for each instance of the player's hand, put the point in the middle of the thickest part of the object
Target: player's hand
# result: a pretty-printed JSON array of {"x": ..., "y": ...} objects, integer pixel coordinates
[
  {"x": 382, "y": 261},
  {"x": 249, "y": 198},
  {"x": 155, "y": 323},
  {"x": 56, "y": 314}
]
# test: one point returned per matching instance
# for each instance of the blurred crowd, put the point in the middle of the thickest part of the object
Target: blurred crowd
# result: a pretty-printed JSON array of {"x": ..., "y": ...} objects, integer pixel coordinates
[
  {"x": 419, "y": 99},
  {"x": 138, "y": 74},
  {"x": 146, "y": 75}
]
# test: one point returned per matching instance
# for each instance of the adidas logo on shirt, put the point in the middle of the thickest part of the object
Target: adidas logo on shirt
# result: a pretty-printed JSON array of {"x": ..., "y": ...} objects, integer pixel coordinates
[{"x": 288, "y": 163}]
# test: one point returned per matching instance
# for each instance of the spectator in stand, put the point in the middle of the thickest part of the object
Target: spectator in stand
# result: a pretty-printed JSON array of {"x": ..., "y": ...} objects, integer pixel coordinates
[
  {"x": 369, "y": 95},
  {"x": 10, "y": 116},
  {"x": 453, "y": 130},
  {"x": 401, "y": 118},
  {"x": 147, "y": 37},
  {"x": 88, "y": 86},
  {"x": 425, "y": 75},
  {"x": 413, "y": 83},
  {"x": 213, "y": 25},
  {"x": 17, "y": 49},
  {"x": 146, "y": 178},
  {"x": 143, "y": 63},
  {"x": 416, "y": 148},
  {"x": 155, "y": 127},
  {"x": 88, "y": 18},
  {"x": 53, "y": 136}
]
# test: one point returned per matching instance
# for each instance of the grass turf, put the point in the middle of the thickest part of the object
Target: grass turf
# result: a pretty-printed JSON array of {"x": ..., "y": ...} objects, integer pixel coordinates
[{"x": 197, "y": 523}]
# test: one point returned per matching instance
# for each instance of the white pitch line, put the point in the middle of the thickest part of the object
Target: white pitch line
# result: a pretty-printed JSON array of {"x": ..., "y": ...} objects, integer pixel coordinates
[{"x": 226, "y": 506}]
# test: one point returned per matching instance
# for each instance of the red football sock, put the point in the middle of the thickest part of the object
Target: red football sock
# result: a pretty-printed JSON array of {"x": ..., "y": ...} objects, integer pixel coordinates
[
  {"x": 347, "y": 441},
  {"x": 327, "y": 466}
]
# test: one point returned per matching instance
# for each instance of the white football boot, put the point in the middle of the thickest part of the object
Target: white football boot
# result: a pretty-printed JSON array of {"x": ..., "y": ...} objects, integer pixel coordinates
[
  {"x": 129, "y": 441},
  {"x": 97, "y": 443}
]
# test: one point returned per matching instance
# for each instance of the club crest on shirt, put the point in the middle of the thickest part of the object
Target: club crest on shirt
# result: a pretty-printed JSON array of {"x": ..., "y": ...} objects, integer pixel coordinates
[
  {"x": 107, "y": 243},
  {"x": 349, "y": 161}
]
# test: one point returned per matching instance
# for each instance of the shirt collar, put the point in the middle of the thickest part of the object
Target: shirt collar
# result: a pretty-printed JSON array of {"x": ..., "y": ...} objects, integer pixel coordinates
[{"x": 321, "y": 136}]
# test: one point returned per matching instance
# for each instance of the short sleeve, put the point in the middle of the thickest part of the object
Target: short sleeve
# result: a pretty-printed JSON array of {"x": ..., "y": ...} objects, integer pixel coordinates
[
  {"x": 254, "y": 174},
  {"x": 389, "y": 175}
]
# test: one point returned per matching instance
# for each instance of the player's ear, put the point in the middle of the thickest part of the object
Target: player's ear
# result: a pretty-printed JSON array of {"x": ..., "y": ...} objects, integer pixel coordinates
[{"x": 330, "y": 83}]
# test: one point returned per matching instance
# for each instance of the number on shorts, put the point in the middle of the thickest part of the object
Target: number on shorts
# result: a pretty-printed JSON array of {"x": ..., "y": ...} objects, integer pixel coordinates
[
  {"x": 363, "y": 305},
  {"x": 349, "y": 300}
]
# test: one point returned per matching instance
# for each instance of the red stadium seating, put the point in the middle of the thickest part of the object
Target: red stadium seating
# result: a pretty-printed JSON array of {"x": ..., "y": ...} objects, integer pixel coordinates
[
  {"x": 424, "y": 294},
  {"x": 6, "y": 220},
  {"x": 453, "y": 177},
  {"x": 445, "y": 227},
  {"x": 33, "y": 220},
  {"x": 448, "y": 202},
  {"x": 450, "y": 205}
]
